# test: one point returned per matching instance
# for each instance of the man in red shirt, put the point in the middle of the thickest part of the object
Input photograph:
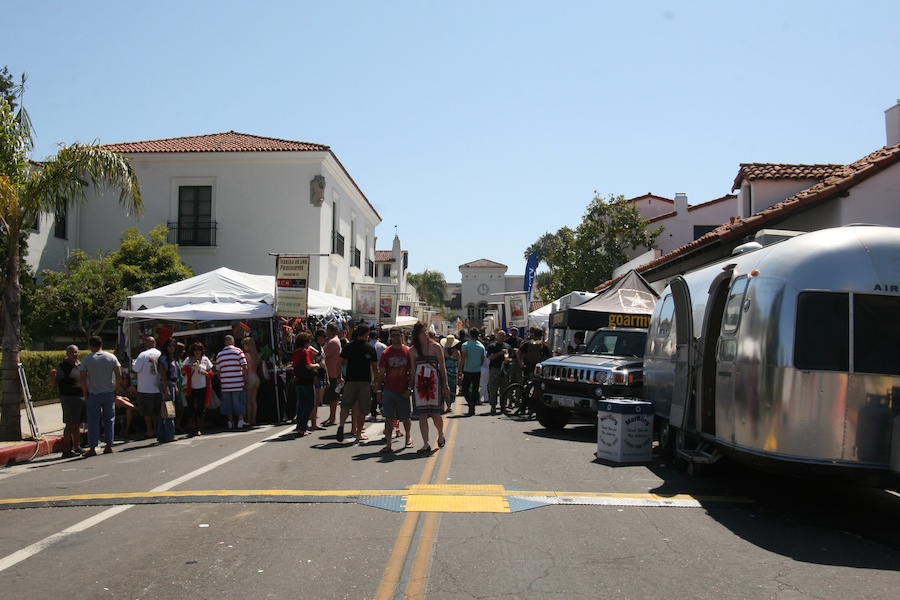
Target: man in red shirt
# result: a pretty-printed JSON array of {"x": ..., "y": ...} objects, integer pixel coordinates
[{"x": 393, "y": 385}]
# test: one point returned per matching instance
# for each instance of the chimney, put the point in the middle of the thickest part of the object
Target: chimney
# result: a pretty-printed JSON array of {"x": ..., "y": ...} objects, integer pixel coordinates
[
  {"x": 892, "y": 124},
  {"x": 681, "y": 204}
]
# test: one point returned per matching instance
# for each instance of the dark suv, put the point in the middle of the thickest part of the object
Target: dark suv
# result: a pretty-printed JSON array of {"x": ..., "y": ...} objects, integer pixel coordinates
[{"x": 612, "y": 365}]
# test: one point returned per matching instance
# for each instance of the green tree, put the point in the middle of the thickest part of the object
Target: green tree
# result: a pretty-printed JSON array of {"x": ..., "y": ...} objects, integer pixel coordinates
[
  {"x": 8, "y": 88},
  {"x": 583, "y": 258},
  {"x": 79, "y": 301},
  {"x": 148, "y": 264},
  {"x": 26, "y": 191},
  {"x": 432, "y": 287}
]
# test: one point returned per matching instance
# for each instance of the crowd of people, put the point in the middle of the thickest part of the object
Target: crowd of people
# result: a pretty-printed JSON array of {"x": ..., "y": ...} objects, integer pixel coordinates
[
  {"x": 167, "y": 390},
  {"x": 405, "y": 375}
]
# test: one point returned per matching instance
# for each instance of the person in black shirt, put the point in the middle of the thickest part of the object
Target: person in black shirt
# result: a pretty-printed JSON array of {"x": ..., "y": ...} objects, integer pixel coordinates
[
  {"x": 362, "y": 372},
  {"x": 68, "y": 379},
  {"x": 497, "y": 354}
]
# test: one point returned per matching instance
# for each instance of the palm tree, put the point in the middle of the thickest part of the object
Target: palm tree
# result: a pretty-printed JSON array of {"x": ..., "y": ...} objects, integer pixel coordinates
[
  {"x": 432, "y": 287},
  {"x": 28, "y": 189}
]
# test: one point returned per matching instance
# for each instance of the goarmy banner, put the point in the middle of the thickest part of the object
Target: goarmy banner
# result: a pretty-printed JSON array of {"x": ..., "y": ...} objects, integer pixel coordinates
[{"x": 291, "y": 286}]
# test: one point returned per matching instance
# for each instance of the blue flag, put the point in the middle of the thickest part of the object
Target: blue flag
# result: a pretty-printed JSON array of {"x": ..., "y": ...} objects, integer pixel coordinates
[{"x": 530, "y": 270}]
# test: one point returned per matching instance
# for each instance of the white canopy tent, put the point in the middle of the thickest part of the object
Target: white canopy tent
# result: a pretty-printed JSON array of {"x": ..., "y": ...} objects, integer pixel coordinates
[
  {"x": 222, "y": 294},
  {"x": 541, "y": 317}
]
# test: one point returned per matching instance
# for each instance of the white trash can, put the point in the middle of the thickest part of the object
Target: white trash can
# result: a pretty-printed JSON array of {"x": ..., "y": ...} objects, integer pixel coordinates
[{"x": 625, "y": 430}]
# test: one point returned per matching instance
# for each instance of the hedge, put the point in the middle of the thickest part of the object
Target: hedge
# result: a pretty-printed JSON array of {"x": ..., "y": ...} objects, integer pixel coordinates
[{"x": 37, "y": 367}]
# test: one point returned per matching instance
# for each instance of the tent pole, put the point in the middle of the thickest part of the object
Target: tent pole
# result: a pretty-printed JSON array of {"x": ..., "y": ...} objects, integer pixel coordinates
[{"x": 278, "y": 414}]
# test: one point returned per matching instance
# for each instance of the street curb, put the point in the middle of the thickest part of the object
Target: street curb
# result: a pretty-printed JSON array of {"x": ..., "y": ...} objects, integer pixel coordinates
[{"x": 26, "y": 451}]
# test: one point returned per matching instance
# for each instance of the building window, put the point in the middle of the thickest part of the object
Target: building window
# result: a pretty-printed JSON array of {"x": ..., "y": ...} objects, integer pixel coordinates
[
  {"x": 386, "y": 271},
  {"x": 195, "y": 226},
  {"x": 701, "y": 230},
  {"x": 470, "y": 314},
  {"x": 337, "y": 240},
  {"x": 60, "y": 227}
]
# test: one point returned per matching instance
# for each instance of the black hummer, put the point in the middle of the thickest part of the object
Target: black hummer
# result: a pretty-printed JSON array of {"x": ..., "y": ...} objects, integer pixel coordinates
[{"x": 612, "y": 365}]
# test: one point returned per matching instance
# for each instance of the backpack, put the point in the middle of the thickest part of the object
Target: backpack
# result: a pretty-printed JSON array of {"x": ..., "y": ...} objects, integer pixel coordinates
[{"x": 534, "y": 353}]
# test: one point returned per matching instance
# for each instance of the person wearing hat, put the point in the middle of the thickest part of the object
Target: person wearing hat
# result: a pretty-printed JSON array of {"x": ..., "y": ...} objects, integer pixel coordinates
[{"x": 451, "y": 361}]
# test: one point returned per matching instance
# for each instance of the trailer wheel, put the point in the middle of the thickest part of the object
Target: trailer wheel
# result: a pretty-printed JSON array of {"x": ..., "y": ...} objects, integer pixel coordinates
[
  {"x": 552, "y": 419},
  {"x": 667, "y": 436}
]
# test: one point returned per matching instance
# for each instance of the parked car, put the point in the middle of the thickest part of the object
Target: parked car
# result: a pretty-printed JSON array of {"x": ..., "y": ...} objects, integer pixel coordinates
[{"x": 612, "y": 365}]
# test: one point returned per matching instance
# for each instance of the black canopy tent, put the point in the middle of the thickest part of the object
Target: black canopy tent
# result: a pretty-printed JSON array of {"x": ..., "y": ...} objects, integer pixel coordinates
[{"x": 627, "y": 303}]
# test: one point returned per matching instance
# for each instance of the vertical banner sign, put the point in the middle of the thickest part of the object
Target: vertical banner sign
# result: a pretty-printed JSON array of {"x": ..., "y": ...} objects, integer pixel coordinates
[
  {"x": 291, "y": 280},
  {"x": 530, "y": 270},
  {"x": 366, "y": 302},
  {"x": 388, "y": 308},
  {"x": 515, "y": 309}
]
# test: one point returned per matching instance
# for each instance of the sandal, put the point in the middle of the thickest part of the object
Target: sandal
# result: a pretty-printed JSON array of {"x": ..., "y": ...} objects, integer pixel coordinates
[
  {"x": 441, "y": 442},
  {"x": 386, "y": 450},
  {"x": 317, "y": 428},
  {"x": 426, "y": 449},
  {"x": 409, "y": 444},
  {"x": 328, "y": 423}
]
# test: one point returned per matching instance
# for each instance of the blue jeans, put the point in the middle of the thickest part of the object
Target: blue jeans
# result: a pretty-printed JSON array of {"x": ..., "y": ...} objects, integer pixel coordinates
[
  {"x": 102, "y": 404},
  {"x": 165, "y": 429},
  {"x": 306, "y": 401}
]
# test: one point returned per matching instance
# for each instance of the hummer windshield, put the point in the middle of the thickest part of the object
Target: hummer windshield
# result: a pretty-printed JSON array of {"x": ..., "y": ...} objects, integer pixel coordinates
[{"x": 617, "y": 343}]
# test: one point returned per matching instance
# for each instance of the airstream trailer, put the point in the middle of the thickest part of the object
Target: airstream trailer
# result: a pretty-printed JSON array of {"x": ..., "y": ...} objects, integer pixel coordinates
[{"x": 785, "y": 356}]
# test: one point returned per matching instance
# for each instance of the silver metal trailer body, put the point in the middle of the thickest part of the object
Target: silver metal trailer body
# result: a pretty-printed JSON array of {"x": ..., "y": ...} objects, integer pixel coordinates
[{"x": 787, "y": 355}]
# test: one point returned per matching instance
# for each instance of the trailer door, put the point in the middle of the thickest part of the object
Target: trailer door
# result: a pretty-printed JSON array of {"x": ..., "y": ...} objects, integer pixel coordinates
[{"x": 684, "y": 335}]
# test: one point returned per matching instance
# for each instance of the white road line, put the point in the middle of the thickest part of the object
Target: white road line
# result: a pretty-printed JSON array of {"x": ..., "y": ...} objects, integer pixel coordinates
[{"x": 25, "y": 553}]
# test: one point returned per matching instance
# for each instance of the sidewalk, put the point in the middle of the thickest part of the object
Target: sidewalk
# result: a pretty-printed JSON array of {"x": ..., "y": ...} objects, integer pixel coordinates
[{"x": 49, "y": 420}]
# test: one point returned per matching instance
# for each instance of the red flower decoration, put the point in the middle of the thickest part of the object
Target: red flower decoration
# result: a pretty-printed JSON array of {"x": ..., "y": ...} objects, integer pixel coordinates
[{"x": 426, "y": 386}]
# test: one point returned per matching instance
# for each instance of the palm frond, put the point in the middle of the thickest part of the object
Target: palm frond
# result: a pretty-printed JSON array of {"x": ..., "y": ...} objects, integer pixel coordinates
[{"x": 62, "y": 178}]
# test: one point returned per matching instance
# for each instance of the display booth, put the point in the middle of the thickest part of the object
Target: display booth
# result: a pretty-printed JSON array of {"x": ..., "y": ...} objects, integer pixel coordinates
[{"x": 221, "y": 302}]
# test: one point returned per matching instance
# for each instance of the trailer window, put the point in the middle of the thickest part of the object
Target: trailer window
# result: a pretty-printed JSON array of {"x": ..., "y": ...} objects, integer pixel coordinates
[
  {"x": 666, "y": 316},
  {"x": 876, "y": 329},
  {"x": 732, "y": 316},
  {"x": 822, "y": 340}
]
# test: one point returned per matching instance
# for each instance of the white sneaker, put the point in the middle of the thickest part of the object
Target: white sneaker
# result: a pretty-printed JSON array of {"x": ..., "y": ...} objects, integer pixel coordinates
[{"x": 241, "y": 424}]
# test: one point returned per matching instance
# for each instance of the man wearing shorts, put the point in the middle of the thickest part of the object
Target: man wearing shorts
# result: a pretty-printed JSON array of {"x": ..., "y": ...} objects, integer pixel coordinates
[
  {"x": 67, "y": 378},
  {"x": 362, "y": 370},
  {"x": 332, "y": 350},
  {"x": 232, "y": 367},
  {"x": 393, "y": 385},
  {"x": 149, "y": 396}
]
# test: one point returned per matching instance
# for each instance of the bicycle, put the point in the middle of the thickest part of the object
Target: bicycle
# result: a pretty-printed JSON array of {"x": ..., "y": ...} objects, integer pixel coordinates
[{"x": 519, "y": 399}]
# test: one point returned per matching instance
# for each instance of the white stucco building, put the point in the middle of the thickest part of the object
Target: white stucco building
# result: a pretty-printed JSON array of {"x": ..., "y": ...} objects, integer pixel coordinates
[{"x": 231, "y": 200}]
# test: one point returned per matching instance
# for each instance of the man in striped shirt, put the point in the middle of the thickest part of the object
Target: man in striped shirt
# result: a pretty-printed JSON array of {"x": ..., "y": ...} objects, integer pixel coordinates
[{"x": 231, "y": 365}]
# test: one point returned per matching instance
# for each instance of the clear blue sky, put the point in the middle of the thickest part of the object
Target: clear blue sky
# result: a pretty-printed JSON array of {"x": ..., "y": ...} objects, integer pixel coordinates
[{"x": 474, "y": 126}]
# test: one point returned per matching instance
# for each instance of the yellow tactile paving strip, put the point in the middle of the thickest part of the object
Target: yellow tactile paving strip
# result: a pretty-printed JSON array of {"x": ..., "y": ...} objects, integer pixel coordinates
[{"x": 456, "y": 499}]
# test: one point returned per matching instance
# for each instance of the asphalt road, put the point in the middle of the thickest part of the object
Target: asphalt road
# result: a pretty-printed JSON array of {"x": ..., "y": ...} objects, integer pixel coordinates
[{"x": 504, "y": 510}]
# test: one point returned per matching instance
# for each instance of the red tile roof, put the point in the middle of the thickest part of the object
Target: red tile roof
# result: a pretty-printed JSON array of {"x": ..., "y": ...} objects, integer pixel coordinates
[
  {"x": 230, "y": 141},
  {"x": 386, "y": 255},
  {"x": 754, "y": 171},
  {"x": 482, "y": 263},
  {"x": 841, "y": 179}
]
